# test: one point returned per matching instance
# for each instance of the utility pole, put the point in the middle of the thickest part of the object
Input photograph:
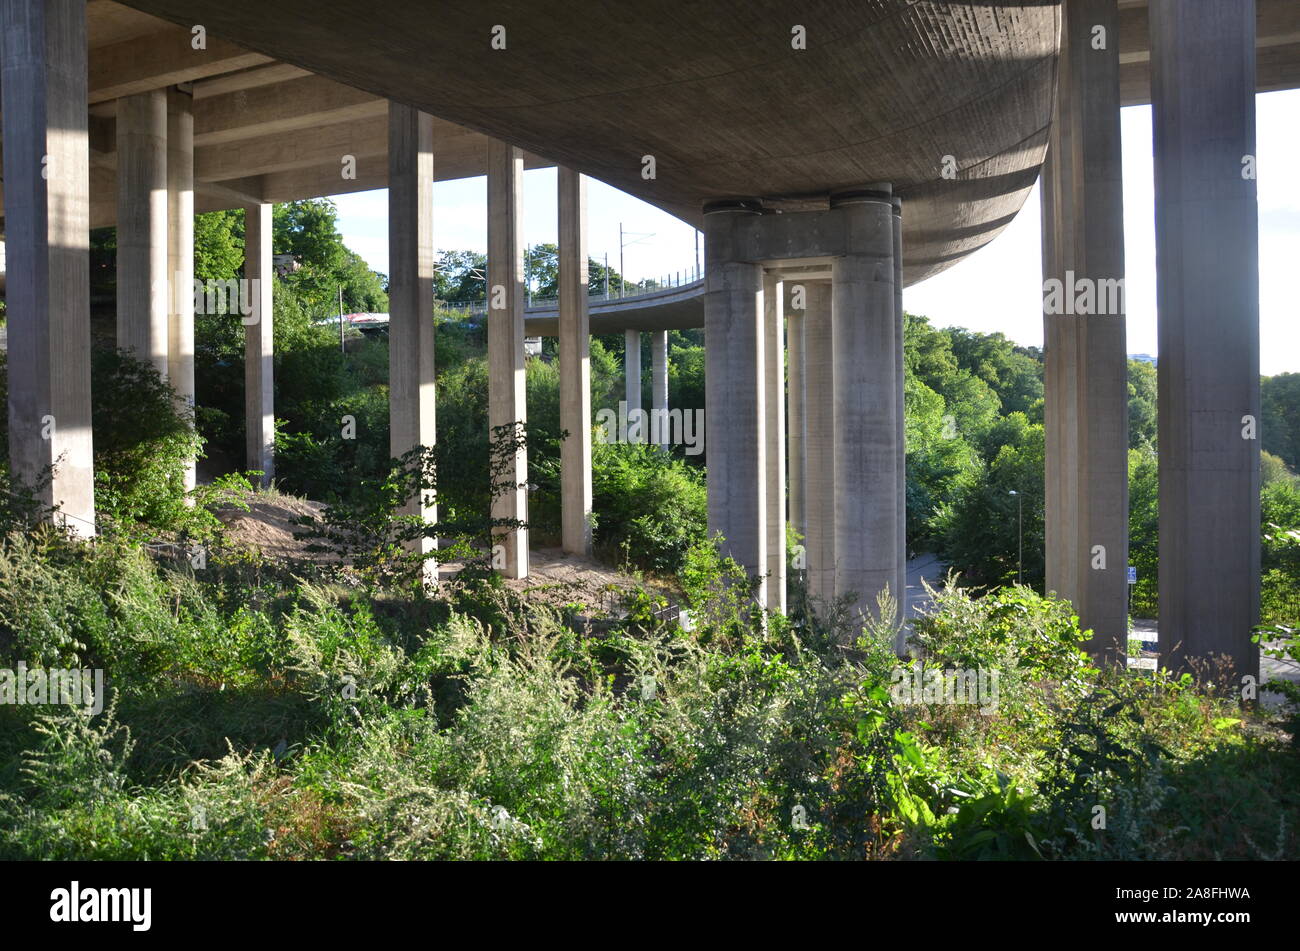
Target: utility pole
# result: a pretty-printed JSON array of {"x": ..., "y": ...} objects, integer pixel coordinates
[{"x": 342, "y": 347}]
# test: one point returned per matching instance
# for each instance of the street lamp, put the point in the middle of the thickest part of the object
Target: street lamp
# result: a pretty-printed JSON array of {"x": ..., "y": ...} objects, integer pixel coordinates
[{"x": 1020, "y": 536}]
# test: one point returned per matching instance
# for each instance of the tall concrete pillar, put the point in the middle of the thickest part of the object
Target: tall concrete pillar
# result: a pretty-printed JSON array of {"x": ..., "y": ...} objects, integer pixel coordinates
[
  {"x": 1086, "y": 363},
  {"x": 142, "y": 279},
  {"x": 180, "y": 253},
  {"x": 259, "y": 370},
  {"x": 900, "y": 425},
  {"x": 1207, "y": 287},
  {"x": 774, "y": 428},
  {"x": 411, "y": 395},
  {"x": 659, "y": 386},
  {"x": 506, "y": 385},
  {"x": 866, "y": 445},
  {"x": 733, "y": 397},
  {"x": 632, "y": 385},
  {"x": 575, "y": 365},
  {"x": 47, "y": 224},
  {"x": 819, "y": 443},
  {"x": 796, "y": 464}
]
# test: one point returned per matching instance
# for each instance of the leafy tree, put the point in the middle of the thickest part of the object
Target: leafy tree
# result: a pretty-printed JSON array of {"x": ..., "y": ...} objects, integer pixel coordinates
[
  {"x": 1280, "y": 417},
  {"x": 1142, "y": 428}
]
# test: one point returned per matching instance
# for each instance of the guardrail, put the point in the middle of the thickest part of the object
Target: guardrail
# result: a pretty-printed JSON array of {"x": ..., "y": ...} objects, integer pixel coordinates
[{"x": 640, "y": 289}]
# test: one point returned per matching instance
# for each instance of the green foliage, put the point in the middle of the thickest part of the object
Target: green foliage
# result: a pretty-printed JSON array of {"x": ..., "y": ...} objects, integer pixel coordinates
[{"x": 1279, "y": 423}]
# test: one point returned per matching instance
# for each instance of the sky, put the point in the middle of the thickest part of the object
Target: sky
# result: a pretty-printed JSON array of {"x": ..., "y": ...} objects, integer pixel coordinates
[{"x": 998, "y": 288}]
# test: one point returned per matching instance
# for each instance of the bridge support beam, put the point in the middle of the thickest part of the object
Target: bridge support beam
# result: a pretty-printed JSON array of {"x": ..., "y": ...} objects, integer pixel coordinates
[
  {"x": 659, "y": 386},
  {"x": 506, "y": 384},
  {"x": 47, "y": 221},
  {"x": 1086, "y": 365},
  {"x": 575, "y": 365},
  {"x": 733, "y": 395},
  {"x": 180, "y": 254},
  {"x": 142, "y": 279},
  {"x": 774, "y": 429},
  {"x": 1207, "y": 286},
  {"x": 259, "y": 370},
  {"x": 866, "y": 448},
  {"x": 411, "y": 395}
]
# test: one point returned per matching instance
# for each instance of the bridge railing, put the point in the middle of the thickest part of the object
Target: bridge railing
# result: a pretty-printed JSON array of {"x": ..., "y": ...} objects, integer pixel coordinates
[{"x": 634, "y": 291}]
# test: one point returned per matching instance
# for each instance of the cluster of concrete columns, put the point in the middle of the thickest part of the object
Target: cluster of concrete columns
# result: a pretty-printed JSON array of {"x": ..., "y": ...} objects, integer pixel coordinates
[
  {"x": 1203, "y": 109},
  {"x": 658, "y": 429},
  {"x": 826, "y": 283}
]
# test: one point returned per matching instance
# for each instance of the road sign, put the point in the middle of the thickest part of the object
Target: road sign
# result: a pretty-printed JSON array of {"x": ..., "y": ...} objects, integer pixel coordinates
[{"x": 1132, "y": 575}]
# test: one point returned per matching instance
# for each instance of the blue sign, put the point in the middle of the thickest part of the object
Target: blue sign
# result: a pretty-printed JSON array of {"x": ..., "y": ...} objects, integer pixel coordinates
[{"x": 1132, "y": 575}]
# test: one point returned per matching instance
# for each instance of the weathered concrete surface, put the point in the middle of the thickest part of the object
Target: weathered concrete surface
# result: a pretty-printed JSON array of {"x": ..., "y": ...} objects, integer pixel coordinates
[
  {"x": 735, "y": 445},
  {"x": 819, "y": 442},
  {"x": 882, "y": 88},
  {"x": 796, "y": 463},
  {"x": 180, "y": 254},
  {"x": 1086, "y": 361},
  {"x": 43, "y": 58},
  {"x": 412, "y": 401},
  {"x": 774, "y": 432},
  {"x": 1207, "y": 288},
  {"x": 142, "y": 279},
  {"x": 575, "y": 365},
  {"x": 866, "y": 447},
  {"x": 259, "y": 338},
  {"x": 506, "y": 387}
]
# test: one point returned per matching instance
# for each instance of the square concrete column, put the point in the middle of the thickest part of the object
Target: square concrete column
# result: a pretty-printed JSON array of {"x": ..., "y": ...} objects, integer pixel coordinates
[
  {"x": 1086, "y": 362},
  {"x": 47, "y": 224},
  {"x": 506, "y": 384},
  {"x": 660, "y": 429},
  {"x": 142, "y": 278},
  {"x": 575, "y": 365},
  {"x": 866, "y": 445},
  {"x": 796, "y": 464},
  {"x": 900, "y": 425},
  {"x": 411, "y": 394},
  {"x": 819, "y": 443},
  {"x": 1207, "y": 292},
  {"x": 736, "y": 446},
  {"x": 632, "y": 385},
  {"x": 180, "y": 253},
  {"x": 259, "y": 351},
  {"x": 774, "y": 428}
]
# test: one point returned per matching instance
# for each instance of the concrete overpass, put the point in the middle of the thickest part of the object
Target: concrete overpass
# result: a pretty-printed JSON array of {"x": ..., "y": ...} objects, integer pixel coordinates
[{"x": 843, "y": 152}]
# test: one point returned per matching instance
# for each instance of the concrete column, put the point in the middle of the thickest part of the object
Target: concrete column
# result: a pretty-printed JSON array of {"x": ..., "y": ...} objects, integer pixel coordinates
[
  {"x": 632, "y": 385},
  {"x": 575, "y": 365},
  {"x": 47, "y": 221},
  {"x": 142, "y": 279},
  {"x": 796, "y": 466},
  {"x": 411, "y": 395},
  {"x": 866, "y": 445},
  {"x": 659, "y": 386},
  {"x": 900, "y": 425},
  {"x": 180, "y": 253},
  {"x": 1207, "y": 287},
  {"x": 733, "y": 397},
  {"x": 506, "y": 389},
  {"x": 819, "y": 443},
  {"x": 774, "y": 429},
  {"x": 259, "y": 385},
  {"x": 1086, "y": 364}
]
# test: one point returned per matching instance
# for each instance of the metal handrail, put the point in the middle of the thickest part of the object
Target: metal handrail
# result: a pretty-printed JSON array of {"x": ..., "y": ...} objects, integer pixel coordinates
[{"x": 642, "y": 289}]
